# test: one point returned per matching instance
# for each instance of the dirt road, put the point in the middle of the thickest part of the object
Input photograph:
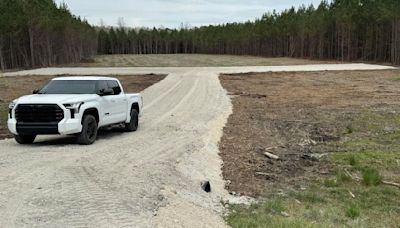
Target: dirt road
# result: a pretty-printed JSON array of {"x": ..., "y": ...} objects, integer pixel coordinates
[{"x": 150, "y": 178}]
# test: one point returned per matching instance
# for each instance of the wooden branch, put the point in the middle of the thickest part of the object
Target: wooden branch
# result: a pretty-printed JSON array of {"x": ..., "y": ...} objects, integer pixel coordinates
[
  {"x": 270, "y": 155},
  {"x": 265, "y": 174},
  {"x": 391, "y": 183},
  {"x": 356, "y": 178}
]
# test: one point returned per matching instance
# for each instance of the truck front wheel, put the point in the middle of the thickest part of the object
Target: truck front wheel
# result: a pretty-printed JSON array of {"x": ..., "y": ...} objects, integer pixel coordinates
[
  {"x": 134, "y": 123},
  {"x": 89, "y": 130},
  {"x": 24, "y": 139}
]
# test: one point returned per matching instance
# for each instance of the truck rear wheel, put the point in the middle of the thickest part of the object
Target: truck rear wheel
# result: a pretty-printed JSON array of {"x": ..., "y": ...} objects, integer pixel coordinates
[
  {"x": 134, "y": 123},
  {"x": 89, "y": 130},
  {"x": 24, "y": 139}
]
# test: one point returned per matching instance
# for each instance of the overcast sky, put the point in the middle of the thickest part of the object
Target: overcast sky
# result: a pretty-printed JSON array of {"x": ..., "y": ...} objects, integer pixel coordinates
[{"x": 171, "y": 13}]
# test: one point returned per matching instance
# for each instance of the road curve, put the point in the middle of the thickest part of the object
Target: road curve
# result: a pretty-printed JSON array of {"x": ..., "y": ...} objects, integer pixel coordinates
[{"x": 149, "y": 178}]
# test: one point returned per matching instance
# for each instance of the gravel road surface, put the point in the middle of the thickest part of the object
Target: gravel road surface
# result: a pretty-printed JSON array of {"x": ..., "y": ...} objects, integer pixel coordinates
[{"x": 149, "y": 178}]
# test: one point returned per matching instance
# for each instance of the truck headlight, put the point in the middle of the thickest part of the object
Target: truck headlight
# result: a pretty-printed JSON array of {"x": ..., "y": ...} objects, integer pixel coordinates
[
  {"x": 11, "y": 105},
  {"x": 74, "y": 106}
]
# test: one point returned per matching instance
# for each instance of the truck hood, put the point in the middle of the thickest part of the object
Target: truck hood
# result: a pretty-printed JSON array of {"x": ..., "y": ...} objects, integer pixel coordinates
[{"x": 55, "y": 98}]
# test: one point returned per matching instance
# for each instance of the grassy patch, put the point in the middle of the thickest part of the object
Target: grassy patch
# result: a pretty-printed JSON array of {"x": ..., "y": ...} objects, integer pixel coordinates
[
  {"x": 322, "y": 206},
  {"x": 371, "y": 177},
  {"x": 354, "y": 196},
  {"x": 271, "y": 213},
  {"x": 309, "y": 197},
  {"x": 342, "y": 177},
  {"x": 383, "y": 161},
  {"x": 353, "y": 212},
  {"x": 352, "y": 160}
]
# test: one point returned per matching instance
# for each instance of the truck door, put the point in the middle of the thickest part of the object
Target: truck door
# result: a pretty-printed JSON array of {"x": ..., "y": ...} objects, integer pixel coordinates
[
  {"x": 106, "y": 105},
  {"x": 120, "y": 103}
]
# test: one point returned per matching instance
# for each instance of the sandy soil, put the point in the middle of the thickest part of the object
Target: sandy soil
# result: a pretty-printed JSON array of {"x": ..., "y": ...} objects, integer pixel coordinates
[
  {"x": 150, "y": 178},
  {"x": 292, "y": 115}
]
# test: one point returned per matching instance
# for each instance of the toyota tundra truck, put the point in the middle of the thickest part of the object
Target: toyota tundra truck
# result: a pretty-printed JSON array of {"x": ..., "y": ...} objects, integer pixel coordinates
[{"x": 74, "y": 106}]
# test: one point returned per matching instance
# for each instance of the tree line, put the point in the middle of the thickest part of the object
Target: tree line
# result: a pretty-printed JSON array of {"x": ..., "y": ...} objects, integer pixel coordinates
[
  {"x": 38, "y": 33},
  {"x": 348, "y": 30}
]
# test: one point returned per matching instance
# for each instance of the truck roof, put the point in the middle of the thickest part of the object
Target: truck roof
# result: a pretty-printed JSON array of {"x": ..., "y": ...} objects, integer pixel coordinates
[{"x": 94, "y": 78}]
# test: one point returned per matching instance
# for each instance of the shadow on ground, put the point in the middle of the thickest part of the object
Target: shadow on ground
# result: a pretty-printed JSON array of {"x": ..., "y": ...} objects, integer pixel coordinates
[{"x": 71, "y": 140}]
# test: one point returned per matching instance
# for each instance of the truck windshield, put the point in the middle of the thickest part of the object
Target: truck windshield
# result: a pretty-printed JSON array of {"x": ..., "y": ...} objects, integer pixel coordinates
[{"x": 70, "y": 87}]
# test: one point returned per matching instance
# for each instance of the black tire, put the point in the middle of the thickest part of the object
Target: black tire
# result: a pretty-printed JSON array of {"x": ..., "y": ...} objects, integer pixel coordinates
[
  {"x": 89, "y": 130},
  {"x": 134, "y": 123},
  {"x": 25, "y": 139}
]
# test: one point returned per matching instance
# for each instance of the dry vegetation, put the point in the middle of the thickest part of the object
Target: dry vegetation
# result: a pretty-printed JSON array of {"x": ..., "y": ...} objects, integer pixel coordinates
[
  {"x": 190, "y": 60},
  {"x": 14, "y": 87},
  {"x": 336, "y": 135}
]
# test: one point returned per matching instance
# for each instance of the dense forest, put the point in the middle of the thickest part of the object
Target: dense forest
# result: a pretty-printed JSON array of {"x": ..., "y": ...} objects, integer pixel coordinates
[
  {"x": 349, "y": 30},
  {"x": 36, "y": 33}
]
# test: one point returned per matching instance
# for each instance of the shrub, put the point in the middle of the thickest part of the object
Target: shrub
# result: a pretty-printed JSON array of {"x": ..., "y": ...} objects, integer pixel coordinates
[
  {"x": 353, "y": 212},
  {"x": 352, "y": 160},
  {"x": 371, "y": 177}
]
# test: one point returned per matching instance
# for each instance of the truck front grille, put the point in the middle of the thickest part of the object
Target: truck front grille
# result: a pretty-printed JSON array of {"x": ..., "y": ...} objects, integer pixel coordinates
[{"x": 38, "y": 113}]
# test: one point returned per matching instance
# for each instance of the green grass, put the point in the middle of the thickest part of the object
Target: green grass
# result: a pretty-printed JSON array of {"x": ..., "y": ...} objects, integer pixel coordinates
[
  {"x": 353, "y": 212},
  {"x": 309, "y": 197},
  {"x": 321, "y": 206},
  {"x": 331, "y": 183},
  {"x": 267, "y": 214},
  {"x": 352, "y": 160},
  {"x": 342, "y": 177},
  {"x": 354, "y": 195},
  {"x": 371, "y": 177}
]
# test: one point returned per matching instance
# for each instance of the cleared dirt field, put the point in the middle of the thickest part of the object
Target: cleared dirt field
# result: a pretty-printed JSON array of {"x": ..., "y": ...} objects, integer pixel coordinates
[
  {"x": 149, "y": 178},
  {"x": 336, "y": 135},
  {"x": 191, "y": 60}
]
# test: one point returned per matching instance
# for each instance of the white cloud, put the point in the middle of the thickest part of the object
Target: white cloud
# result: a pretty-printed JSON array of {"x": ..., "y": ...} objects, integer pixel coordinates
[{"x": 171, "y": 13}]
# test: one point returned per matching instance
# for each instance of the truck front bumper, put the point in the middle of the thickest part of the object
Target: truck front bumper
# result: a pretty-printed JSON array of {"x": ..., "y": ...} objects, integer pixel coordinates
[{"x": 65, "y": 127}]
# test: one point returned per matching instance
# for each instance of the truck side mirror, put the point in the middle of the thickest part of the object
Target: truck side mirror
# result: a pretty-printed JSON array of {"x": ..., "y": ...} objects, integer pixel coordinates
[{"x": 36, "y": 91}]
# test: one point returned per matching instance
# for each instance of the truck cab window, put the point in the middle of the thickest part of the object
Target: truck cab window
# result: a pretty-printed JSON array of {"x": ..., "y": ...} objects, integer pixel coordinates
[
  {"x": 114, "y": 86},
  {"x": 101, "y": 86}
]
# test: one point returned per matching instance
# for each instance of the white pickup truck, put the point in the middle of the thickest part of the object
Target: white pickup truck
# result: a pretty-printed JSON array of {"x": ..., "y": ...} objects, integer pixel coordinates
[{"x": 74, "y": 106}]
